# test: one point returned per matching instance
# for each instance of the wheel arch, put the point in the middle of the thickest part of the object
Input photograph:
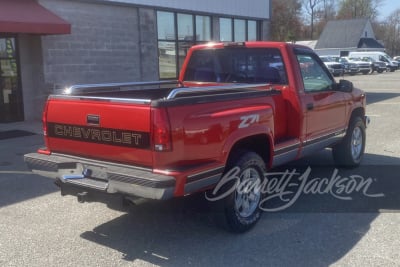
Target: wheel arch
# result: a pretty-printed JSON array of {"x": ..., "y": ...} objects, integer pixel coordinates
[
  {"x": 258, "y": 143},
  {"x": 357, "y": 112}
]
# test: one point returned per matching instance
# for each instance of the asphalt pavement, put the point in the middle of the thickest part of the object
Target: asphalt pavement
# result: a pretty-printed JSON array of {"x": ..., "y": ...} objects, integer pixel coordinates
[{"x": 38, "y": 227}]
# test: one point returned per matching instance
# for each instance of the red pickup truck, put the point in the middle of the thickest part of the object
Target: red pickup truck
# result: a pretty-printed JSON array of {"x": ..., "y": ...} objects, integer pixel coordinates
[{"x": 250, "y": 106}]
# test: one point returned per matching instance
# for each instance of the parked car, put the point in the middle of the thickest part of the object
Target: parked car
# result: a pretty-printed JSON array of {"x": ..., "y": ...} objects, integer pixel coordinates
[
  {"x": 348, "y": 67},
  {"x": 375, "y": 65},
  {"x": 334, "y": 67},
  {"x": 363, "y": 67},
  {"x": 391, "y": 64}
]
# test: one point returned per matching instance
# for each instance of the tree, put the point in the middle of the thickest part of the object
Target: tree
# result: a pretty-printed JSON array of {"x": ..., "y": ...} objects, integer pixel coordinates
[
  {"x": 322, "y": 16},
  {"x": 285, "y": 20},
  {"x": 354, "y": 9},
  {"x": 310, "y": 6},
  {"x": 329, "y": 10},
  {"x": 391, "y": 33}
]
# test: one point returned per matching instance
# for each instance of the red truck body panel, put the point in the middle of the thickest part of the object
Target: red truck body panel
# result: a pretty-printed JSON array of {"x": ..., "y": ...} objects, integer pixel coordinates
[{"x": 114, "y": 141}]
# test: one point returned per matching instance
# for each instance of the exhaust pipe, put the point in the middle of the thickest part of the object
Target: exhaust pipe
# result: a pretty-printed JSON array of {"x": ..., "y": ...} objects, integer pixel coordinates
[
  {"x": 82, "y": 197},
  {"x": 135, "y": 200}
]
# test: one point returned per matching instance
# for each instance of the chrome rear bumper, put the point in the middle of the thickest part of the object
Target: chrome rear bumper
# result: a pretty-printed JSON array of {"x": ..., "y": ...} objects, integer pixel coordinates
[{"x": 102, "y": 176}]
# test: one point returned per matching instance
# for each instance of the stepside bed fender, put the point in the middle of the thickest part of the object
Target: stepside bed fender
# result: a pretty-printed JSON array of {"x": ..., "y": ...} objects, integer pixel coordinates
[{"x": 256, "y": 137}]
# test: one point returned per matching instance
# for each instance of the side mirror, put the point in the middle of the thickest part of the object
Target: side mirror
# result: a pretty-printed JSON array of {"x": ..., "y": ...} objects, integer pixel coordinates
[{"x": 344, "y": 86}]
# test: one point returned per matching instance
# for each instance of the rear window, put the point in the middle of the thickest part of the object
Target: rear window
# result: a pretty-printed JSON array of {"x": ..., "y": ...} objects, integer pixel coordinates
[{"x": 237, "y": 65}]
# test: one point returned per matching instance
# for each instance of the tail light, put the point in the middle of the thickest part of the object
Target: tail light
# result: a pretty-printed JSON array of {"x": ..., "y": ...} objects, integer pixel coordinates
[
  {"x": 44, "y": 118},
  {"x": 161, "y": 130},
  {"x": 44, "y": 122}
]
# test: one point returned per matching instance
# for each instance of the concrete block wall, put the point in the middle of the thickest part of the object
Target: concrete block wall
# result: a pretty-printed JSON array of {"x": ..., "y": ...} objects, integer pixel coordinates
[
  {"x": 108, "y": 43},
  {"x": 148, "y": 44},
  {"x": 34, "y": 91}
]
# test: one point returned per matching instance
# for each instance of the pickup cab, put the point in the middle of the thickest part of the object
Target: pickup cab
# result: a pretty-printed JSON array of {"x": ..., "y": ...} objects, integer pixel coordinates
[{"x": 245, "y": 106}]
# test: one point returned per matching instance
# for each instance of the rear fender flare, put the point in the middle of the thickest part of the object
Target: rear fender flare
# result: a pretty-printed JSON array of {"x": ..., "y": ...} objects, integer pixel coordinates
[{"x": 245, "y": 133}]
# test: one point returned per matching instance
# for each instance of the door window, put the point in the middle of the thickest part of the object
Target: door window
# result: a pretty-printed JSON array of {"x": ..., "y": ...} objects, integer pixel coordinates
[{"x": 315, "y": 76}]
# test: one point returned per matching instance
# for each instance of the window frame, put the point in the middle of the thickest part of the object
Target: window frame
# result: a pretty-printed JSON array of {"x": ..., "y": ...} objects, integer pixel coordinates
[
  {"x": 178, "y": 43},
  {"x": 248, "y": 65},
  {"x": 176, "y": 38},
  {"x": 246, "y": 28},
  {"x": 324, "y": 70}
]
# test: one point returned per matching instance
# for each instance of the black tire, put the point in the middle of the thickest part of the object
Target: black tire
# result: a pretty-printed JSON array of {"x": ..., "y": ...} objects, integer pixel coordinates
[
  {"x": 240, "y": 211},
  {"x": 350, "y": 151},
  {"x": 380, "y": 71}
]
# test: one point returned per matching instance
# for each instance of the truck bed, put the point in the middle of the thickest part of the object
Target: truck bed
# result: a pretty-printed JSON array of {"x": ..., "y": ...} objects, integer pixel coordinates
[
  {"x": 115, "y": 122},
  {"x": 157, "y": 90}
]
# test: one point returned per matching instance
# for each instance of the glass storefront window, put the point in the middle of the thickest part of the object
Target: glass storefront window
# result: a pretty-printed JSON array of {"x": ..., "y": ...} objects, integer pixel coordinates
[
  {"x": 252, "y": 30},
  {"x": 240, "y": 30},
  {"x": 243, "y": 30},
  {"x": 225, "y": 30},
  {"x": 203, "y": 28},
  {"x": 167, "y": 59},
  {"x": 11, "y": 104},
  {"x": 185, "y": 27},
  {"x": 183, "y": 48},
  {"x": 165, "y": 25},
  {"x": 7, "y": 47},
  {"x": 177, "y": 32}
]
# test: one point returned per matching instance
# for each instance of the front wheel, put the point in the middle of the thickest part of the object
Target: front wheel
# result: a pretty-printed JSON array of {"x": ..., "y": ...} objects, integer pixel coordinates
[
  {"x": 350, "y": 151},
  {"x": 240, "y": 210}
]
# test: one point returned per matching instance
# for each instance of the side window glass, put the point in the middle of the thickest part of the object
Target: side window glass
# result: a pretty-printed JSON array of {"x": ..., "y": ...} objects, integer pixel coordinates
[
  {"x": 237, "y": 65},
  {"x": 315, "y": 77},
  {"x": 255, "y": 66}
]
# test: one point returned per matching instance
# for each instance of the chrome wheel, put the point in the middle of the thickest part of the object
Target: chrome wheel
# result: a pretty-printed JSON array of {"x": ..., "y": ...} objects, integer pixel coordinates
[
  {"x": 247, "y": 196},
  {"x": 349, "y": 152},
  {"x": 356, "y": 143},
  {"x": 241, "y": 208}
]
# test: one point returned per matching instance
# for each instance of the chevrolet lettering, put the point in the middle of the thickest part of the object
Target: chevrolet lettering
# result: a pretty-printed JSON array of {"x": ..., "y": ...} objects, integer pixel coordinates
[{"x": 113, "y": 137}]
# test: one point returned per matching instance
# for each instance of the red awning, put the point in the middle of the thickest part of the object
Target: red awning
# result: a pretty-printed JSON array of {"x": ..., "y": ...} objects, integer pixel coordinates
[{"x": 28, "y": 16}]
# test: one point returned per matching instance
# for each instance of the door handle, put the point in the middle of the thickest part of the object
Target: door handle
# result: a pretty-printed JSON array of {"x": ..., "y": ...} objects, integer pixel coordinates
[{"x": 310, "y": 106}]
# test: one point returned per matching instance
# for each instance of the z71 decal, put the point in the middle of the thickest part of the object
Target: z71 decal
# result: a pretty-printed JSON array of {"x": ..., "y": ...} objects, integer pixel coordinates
[{"x": 246, "y": 121}]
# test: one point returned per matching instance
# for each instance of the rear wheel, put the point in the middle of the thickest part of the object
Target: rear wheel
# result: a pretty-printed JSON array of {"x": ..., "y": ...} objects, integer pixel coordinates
[
  {"x": 350, "y": 151},
  {"x": 240, "y": 210}
]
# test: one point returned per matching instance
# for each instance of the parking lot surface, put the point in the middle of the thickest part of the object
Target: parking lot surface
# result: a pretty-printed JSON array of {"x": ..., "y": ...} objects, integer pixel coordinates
[{"x": 38, "y": 227}]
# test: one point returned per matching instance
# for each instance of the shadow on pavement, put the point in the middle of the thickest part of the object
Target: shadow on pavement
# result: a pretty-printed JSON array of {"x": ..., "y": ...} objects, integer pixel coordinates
[
  {"x": 315, "y": 231},
  {"x": 17, "y": 183},
  {"x": 374, "y": 97}
]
